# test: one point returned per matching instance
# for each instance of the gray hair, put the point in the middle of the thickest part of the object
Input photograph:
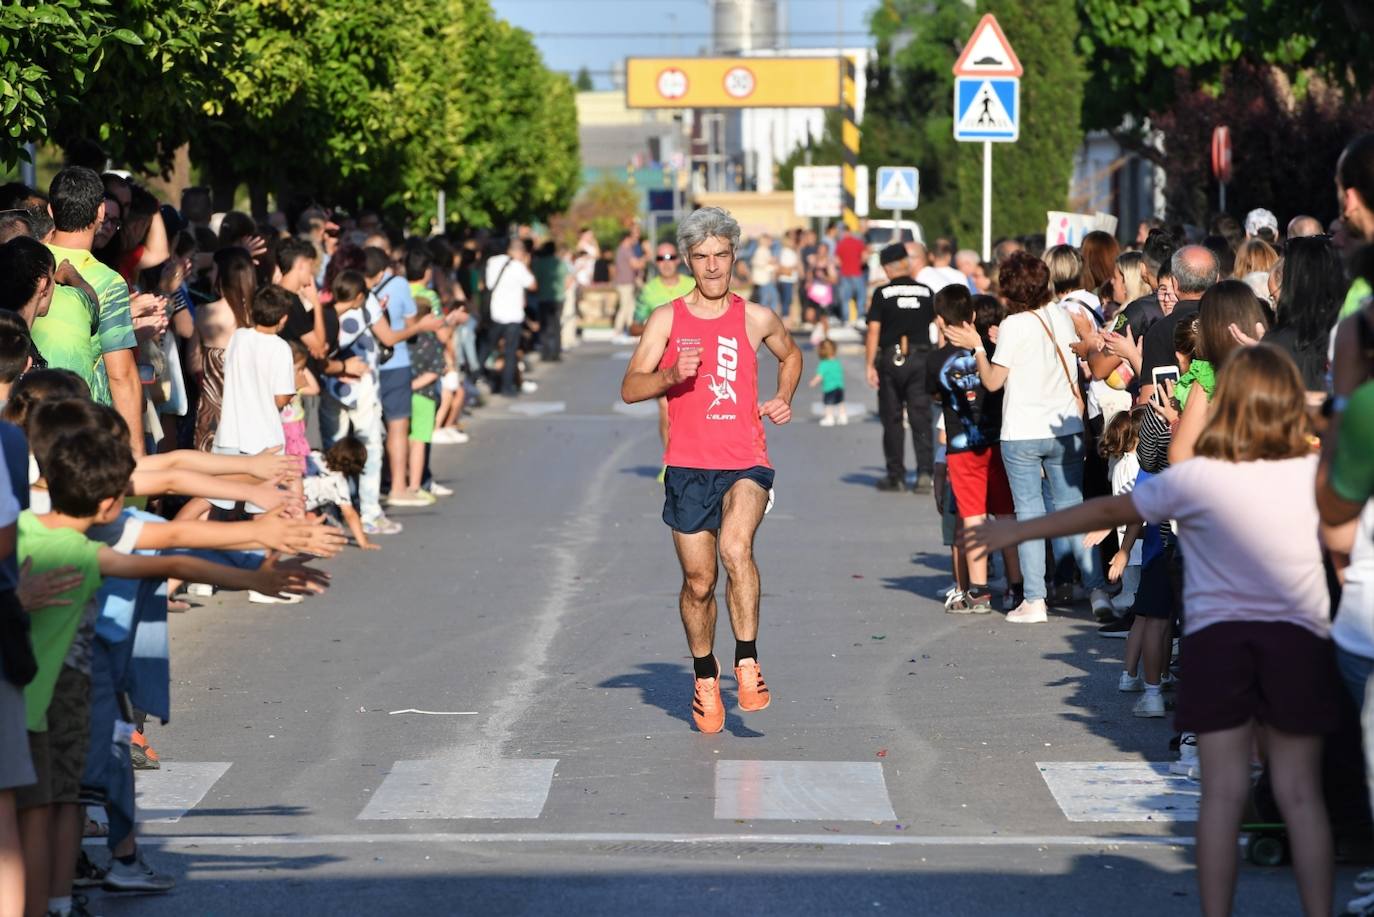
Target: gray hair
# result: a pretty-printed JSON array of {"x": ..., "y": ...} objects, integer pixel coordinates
[
  {"x": 1195, "y": 268},
  {"x": 707, "y": 223}
]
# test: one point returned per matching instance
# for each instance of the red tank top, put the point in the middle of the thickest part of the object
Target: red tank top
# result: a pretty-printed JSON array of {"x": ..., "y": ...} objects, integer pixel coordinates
[{"x": 713, "y": 418}]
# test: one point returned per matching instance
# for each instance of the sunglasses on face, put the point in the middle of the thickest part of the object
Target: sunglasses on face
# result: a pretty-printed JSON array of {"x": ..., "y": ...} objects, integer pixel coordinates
[{"x": 667, "y": 257}]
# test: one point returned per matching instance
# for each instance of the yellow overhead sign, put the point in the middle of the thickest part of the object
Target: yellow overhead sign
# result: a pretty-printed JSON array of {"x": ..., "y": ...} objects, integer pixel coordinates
[{"x": 732, "y": 82}]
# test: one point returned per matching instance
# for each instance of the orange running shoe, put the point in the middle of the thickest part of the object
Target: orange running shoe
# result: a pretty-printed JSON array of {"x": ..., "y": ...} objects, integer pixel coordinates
[
  {"x": 142, "y": 755},
  {"x": 753, "y": 693},
  {"x": 708, "y": 711}
]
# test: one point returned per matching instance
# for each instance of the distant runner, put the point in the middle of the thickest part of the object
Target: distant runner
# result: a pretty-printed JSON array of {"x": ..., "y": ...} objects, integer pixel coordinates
[
  {"x": 700, "y": 351},
  {"x": 668, "y": 284}
]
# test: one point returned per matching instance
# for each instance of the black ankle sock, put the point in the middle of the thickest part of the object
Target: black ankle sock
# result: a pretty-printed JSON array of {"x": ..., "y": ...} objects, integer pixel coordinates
[
  {"x": 745, "y": 649},
  {"x": 977, "y": 589},
  {"x": 704, "y": 666},
  {"x": 129, "y": 860}
]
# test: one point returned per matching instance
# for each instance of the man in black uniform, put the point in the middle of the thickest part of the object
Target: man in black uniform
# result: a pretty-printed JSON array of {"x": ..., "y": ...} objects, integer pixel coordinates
[{"x": 899, "y": 319}]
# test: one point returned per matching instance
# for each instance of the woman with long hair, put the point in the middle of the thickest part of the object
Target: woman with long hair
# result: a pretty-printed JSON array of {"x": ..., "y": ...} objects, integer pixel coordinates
[
  {"x": 1100, "y": 250},
  {"x": 1228, "y": 303},
  {"x": 235, "y": 281},
  {"x": 1309, "y": 302},
  {"x": 1256, "y": 650}
]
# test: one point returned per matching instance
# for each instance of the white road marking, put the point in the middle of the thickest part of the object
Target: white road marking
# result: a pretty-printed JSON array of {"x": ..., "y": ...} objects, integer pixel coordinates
[
  {"x": 538, "y": 408},
  {"x": 166, "y": 794},
  {"x": 687, "y": 840},
  {"x": 1101, "y": 791},
  {"x": 856, "y": 412},
  {"x": 638, "y": 409},
  {"x": 802, "y": 790},
  {"x": 461, "y": 787}
]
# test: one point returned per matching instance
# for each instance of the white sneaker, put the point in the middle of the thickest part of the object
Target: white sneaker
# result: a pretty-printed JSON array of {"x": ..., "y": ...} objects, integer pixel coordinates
[
  {"x": 1149, "y": 705},
  {"x": 954, "y": 596},
  {"x": 1101, "y": 602},
  {"x": 844, "y": 420},
  {"x": 528, "y": 387},
  {"x": 1188, "y": 764},
  {"x": 1030, "y": 611},
  {"x": 439, "y": 490},
  {"x": 1130, "y": 684},
  {"x": 451, "y": 436},
  {"x": 1363, "y": 906},
  {"x": 138, "y": 877},
  {"x": 827, "y": 421},
  {"x": 1364, "y": 882},
  {"x": 262, "y": 598},
  {"x": 200, "y": 590}
]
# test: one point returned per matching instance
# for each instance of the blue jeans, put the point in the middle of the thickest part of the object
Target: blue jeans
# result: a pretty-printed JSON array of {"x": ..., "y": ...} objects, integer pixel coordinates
[
  {"x": 767, "y": 295},
  {"x": 1061, "y": 458},
  {"x": 786, "y": 288},
  {"x": 852, "y": 288}
]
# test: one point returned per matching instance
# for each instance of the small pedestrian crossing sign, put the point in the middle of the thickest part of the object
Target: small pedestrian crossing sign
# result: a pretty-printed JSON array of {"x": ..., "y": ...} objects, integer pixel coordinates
[
  {"x": 898, "y": 188},
  {"x": 987, "y": 108}
]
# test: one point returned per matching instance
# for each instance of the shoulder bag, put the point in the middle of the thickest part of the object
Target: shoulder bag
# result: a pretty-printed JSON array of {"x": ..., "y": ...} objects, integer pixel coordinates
[{"x": 1064, "y": 364}]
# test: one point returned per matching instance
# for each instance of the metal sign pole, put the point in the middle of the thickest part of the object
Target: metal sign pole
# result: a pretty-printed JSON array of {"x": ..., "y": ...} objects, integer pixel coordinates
[
  {"x": 896, "y": 226},
  {"x": 987, "y": 200}
]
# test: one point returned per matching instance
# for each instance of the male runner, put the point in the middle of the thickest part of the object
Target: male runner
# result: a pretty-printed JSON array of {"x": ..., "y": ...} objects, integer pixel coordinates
[{"x": 701, "y": 351}]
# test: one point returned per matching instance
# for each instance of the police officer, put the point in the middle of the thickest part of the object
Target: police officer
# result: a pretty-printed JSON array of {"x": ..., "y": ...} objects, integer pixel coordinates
[{"x": 899, "y": 329}]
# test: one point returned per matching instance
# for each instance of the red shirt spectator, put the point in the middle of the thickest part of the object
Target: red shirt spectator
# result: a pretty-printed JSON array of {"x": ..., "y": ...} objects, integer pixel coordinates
[{"x": 851, "y": 252}]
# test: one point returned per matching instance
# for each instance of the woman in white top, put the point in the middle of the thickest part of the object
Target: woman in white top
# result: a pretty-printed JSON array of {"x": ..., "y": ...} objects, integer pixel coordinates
[{"x": 1042, "y": 421}]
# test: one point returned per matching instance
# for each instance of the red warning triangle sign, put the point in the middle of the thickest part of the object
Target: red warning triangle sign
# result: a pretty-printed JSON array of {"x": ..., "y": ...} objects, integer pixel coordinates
[{"x": 988, "y": 53}]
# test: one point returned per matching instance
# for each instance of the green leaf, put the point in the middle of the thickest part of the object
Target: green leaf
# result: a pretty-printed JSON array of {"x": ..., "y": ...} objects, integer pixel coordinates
[{"x": 125, "y": 36}]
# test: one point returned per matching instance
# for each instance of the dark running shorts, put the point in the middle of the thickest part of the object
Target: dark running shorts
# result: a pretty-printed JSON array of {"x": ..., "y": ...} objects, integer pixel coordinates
[
  {"x": 833, "y": 397},
  {"x": 693, "y": 496},
  {"x": 1277, "y": 673}
]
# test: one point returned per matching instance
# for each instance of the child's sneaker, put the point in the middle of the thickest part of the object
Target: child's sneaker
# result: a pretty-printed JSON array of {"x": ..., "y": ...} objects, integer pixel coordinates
[
  {"x": 1130, "y": 684},
  {"x": 979, "y": 603},
  {"x": 827, "y": 421},
  {"x": 383, "y": 526},
  {"x": 1188, "y": 764},
  {"x": 136, "y": 877},
  {"x": 1150, "y": 706},
  {"x": 955, "y": 596},
  {"x": 844, "y": 420}
]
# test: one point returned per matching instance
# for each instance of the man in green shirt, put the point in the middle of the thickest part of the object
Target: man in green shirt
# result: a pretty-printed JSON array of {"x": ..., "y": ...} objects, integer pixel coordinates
[
  {"x": 664, "y": 287},
  {"x": 99, "y": 348}
]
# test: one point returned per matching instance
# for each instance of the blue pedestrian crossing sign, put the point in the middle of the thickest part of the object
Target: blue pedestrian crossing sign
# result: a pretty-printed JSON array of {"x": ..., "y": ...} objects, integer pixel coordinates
[
  {"x": 898, "y": 187},
  {"x": 987, "y": 108}
]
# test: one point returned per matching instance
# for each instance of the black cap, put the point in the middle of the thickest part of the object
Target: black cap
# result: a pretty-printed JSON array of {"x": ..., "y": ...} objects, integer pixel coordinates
[{"x": 892, "y": 254}]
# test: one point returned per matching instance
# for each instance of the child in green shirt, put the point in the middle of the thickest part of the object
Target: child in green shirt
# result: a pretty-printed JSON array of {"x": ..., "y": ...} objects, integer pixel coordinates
[{"x": 830, "y": 377}]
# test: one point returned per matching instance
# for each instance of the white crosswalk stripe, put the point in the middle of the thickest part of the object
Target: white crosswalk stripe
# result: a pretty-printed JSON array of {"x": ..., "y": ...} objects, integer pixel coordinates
[
  {"x": 461, "y": 787},
  {"x": 1099, "y": 791},
  {"x": 802, "y": 790}
]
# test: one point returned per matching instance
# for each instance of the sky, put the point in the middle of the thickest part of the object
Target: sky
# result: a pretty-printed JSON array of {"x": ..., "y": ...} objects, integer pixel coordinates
[{"x": 599, "y": 33}]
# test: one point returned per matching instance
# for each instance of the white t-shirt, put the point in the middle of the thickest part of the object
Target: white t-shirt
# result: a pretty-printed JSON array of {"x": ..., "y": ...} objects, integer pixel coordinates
[
  {"x": 788, "y": 263},
  {"x": 1249, "y": 534},
  {"x": 323, "y": 487},
  {"x": 763, "y": 266},
  {"x": 1353, "y": 629},
  {"x": 1039, "y": 404},
  {"x": 1123, "y": 470},
  {"x": 257, "y": 368},
  {"x": 937, "y": 278},
  {"x": 508, "y": 296}
]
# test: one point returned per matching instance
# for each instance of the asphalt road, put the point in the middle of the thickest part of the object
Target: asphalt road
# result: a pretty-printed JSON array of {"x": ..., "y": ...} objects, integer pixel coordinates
[{"x": 905, "y": 765}]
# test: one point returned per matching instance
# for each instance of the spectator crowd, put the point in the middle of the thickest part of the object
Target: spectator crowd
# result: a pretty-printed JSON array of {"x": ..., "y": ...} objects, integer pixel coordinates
[{"x": 194, "y": 401}]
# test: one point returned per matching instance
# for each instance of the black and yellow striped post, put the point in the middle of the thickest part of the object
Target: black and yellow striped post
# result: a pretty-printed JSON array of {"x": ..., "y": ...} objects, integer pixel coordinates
[{"x": 849, "y": 135}]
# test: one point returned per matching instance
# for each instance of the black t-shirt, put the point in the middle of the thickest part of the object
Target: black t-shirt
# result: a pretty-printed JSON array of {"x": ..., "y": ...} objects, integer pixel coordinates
[
  {"x": 973, "y": 415},
  {"x": 1158, "y": 349},
  {"x": 299, "y": 321},
  {"x": 1139, "y": 315},
  {"x": 1310, "y": 357},
  {"x": 903, "y": 307}
]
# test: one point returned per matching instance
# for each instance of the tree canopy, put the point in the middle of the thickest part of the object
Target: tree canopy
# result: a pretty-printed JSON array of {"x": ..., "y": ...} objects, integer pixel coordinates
[{"x": 380, "y": 105}]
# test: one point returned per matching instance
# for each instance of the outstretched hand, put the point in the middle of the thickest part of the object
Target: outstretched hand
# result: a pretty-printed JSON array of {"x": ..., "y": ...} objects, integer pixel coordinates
[{"x": 990, "y": 535}]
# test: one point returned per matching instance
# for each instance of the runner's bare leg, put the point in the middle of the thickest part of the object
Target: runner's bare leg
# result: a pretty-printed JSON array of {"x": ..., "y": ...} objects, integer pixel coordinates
[
  {"x": 742, "y": 511},
  {"x": 697, "y": 601}
]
